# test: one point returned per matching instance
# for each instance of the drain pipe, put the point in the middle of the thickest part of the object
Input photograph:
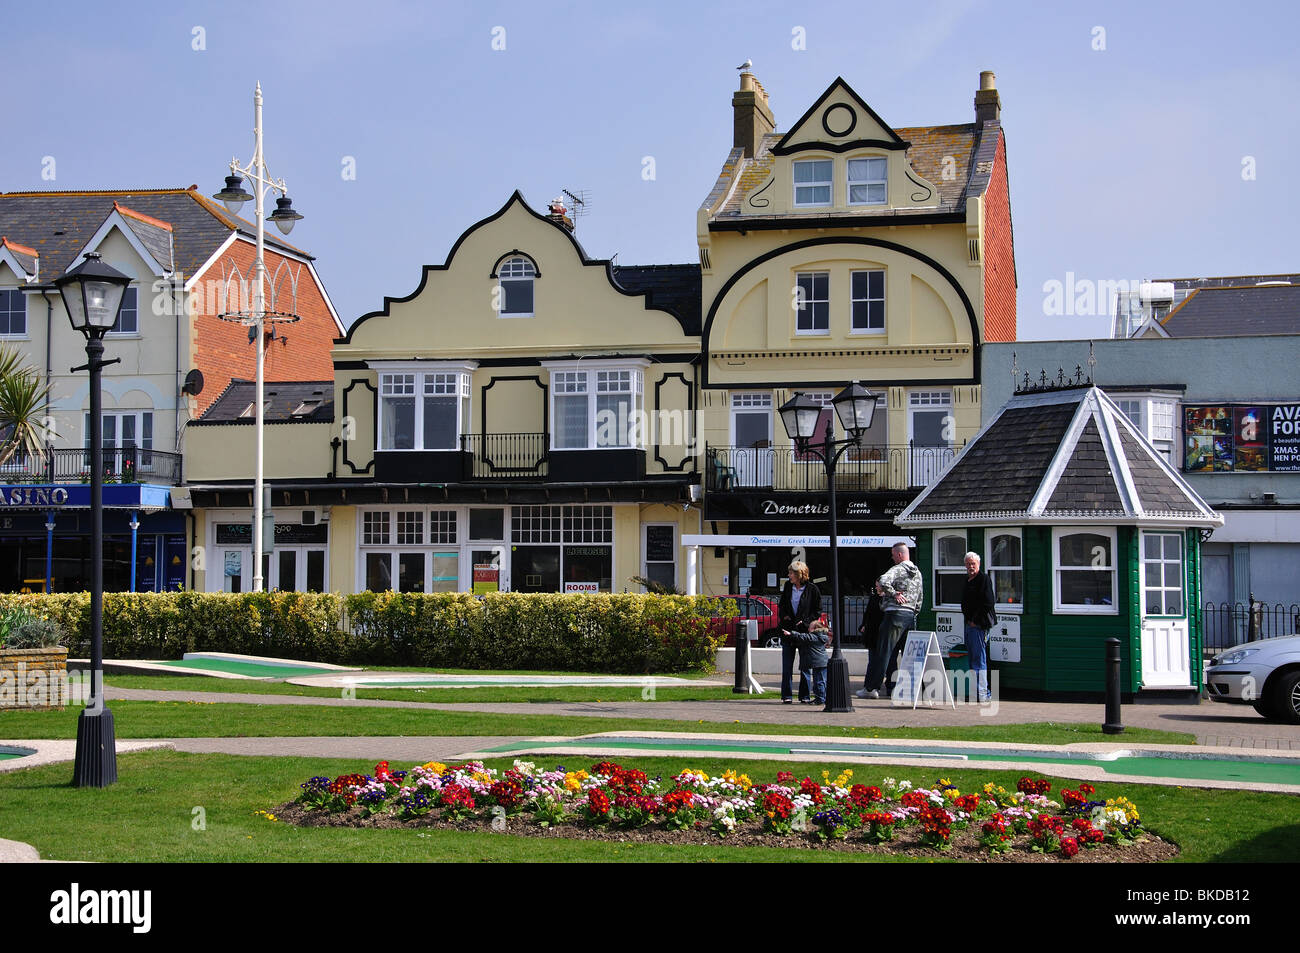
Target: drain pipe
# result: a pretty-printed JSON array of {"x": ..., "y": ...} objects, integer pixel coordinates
[{"x": 1112, "y": 725}]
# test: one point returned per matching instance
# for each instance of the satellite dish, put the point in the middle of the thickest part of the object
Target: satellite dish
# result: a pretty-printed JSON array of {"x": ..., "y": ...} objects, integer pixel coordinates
[{"x": 193, "y": 383}]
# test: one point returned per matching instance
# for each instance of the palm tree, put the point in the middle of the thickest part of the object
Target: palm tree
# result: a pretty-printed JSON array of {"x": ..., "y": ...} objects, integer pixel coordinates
[{"x": 23, "y": 401}]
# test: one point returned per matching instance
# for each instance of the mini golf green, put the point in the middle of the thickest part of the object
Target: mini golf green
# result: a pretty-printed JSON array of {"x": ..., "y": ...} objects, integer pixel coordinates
[
  {"x": 6, "y": 753},
  {"x": 1199, "y": 769},
  {"x": 250, "y": 669}
]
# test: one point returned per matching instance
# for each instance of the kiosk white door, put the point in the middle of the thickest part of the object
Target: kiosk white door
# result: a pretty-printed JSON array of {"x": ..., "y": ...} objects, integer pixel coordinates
[
  {"x": 1166, "y": 636},
  {"x": 751, "y": 428}
]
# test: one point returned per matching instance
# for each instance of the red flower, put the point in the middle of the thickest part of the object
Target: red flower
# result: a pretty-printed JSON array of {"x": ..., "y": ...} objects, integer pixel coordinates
[
  {"x": 784, "y": 777},
  {"x": 605, "y": 768},
  {"x": 1069, "y": 846},
  {"x": 1087, "y": 788},
  {"x": 968, "y": 803},
  {"x": 598, "y": 802},
  {"x": 812, "y": 789},
  {"x": 915, "y": 799},
  {"x": 1032, "y": 786}
]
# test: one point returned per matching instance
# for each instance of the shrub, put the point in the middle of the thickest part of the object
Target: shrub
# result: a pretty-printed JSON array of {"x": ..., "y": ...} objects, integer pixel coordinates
[{"x": 623, "y": 633}]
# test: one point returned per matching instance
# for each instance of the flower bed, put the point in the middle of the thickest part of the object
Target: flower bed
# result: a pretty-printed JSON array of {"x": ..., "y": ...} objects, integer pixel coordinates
[{"x": 610, "y": 801}]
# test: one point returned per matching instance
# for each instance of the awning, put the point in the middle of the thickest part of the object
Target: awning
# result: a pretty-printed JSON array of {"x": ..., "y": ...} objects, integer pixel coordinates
[{"x": 76, "y": 496}]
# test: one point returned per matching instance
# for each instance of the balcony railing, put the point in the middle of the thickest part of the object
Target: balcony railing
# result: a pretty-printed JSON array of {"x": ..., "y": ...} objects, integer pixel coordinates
[
  {"x": 129, "y": 465},
  {"x": 731, "y": 469},
  {"x": 505, "y": 456}
]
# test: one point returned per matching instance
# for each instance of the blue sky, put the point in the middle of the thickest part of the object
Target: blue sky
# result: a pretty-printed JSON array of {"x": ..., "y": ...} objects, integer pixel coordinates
[{"x": 1126, "y": 161}]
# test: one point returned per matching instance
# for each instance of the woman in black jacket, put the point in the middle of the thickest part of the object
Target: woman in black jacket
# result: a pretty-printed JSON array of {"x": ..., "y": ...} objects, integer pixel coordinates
[{"x": 799, "y": 607}]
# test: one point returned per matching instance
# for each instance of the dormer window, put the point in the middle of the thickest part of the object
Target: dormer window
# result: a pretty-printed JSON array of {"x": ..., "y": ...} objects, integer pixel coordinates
[
  {"x": 515, "y": 279},
  {"x": 868, "y": 182},
  {"x": 812, "y": 182},
  {"x": 128, "y": 319}
]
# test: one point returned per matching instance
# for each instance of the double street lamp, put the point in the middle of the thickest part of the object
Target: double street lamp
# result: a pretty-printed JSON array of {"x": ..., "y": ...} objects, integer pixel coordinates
[
  {"x": 285, "y": 217},
  {"x": 92, "y": 294},
  {"x": 854, "y": 406}
]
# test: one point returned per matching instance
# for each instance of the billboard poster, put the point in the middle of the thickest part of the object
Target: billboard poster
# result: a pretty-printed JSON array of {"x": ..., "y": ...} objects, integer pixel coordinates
[
  {"x": 1250, "y": 438},
  {"x": 1284, "y": 436},
  {"x": 1208, "y": 435}
]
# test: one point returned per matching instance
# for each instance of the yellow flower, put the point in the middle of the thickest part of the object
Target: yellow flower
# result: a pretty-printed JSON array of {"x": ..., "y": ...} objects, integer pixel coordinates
[{"x": 437, "y": 767}]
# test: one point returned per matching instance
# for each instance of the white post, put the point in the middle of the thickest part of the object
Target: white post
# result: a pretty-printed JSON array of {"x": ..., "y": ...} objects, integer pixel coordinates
[
  {"x": 692, "y": 570},
  {"x": 259, "y": 303}
]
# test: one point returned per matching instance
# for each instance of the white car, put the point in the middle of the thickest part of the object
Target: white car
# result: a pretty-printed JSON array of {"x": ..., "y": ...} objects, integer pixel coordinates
[{"x": 1264, "y": 673}]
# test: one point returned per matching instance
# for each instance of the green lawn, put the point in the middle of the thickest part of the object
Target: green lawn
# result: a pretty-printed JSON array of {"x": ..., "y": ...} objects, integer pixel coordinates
[
  {"x": 150, "y": 815},
  {"x": 487, "y": 694},
  {"x": 192, "y": 719}
]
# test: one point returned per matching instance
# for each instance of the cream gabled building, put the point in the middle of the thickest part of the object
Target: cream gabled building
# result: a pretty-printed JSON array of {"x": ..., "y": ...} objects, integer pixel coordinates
[
  {"x": 844, "y": 249},
  {"x": 521, "y": 420}
]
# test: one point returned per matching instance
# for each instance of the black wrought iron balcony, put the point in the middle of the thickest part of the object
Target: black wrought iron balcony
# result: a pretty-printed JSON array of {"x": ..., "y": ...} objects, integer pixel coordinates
[
  {"x": 127, "y": 465},
  {"x": 505, "y": 456},
  {"x": 738, "y": 469}
]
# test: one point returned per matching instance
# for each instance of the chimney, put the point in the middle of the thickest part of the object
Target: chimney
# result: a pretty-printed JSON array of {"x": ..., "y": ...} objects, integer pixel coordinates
[
  {"x": 753, "y": 117},
  {"x": 988, "y": 105}
]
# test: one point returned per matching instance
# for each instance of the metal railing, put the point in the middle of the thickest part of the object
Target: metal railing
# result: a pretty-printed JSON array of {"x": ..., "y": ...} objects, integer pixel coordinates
[
  {"x": 729, "y": 469},
  {"x": 128, "y": 465},
  {"x": 505, "y": 456},
  {"x": 1225, "y": 624}
]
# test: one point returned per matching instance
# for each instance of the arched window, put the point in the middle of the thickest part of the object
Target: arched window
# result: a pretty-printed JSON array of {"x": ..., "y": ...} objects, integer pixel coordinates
[{"x": 515, "y": 276}]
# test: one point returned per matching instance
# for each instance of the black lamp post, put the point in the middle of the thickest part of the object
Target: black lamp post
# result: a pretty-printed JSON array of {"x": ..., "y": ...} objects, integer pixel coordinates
[
  {"x": 854, "y": 406},
  {"x": 92, "y": 294}
]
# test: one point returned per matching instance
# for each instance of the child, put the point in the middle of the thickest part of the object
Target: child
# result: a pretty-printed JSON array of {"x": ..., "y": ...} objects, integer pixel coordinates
[{"x": 819, "y": 639}]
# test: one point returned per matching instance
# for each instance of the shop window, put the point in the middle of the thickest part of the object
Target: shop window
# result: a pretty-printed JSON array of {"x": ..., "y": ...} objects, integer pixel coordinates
[
  {"x": 660, "y": 554},
  {"x": 487, "y": 524},
  {"x": 1005, "y": 565},
  {"x": 1084, "y": 571},
  {"x": 949, "y": 569},
  {"x": 1162, "y": 574}
]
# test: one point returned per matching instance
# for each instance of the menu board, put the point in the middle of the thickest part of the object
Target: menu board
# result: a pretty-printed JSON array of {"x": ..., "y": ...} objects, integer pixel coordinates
[{"x": 1223, "y": 438}]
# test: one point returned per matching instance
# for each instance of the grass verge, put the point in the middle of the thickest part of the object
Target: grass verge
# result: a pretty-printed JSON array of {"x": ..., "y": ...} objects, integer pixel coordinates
[
  {"x": 151, "y": 815},
  {"x": 442, "y": 696},
  {"x": 195, "y": 719}
]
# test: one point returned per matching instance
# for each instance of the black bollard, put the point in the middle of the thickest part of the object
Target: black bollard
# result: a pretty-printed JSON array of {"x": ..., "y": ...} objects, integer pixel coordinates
[
  {"x": 742, "y": 659},
  {"x": 1112, "y": 725}
]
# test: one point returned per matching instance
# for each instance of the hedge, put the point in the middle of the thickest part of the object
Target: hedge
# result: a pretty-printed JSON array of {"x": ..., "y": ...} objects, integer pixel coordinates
[{"x": 623, "y": 633}]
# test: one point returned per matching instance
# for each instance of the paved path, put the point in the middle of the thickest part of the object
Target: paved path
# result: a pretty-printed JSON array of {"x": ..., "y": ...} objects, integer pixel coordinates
[
  {"x": 409, "y": 749},
  {"x": 1212, "y": 723}
]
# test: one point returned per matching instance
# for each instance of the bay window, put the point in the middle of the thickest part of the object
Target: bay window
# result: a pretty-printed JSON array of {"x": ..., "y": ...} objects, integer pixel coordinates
[
  {"x": 425, "y": 408},
  {"x": 597, "y": 407}
]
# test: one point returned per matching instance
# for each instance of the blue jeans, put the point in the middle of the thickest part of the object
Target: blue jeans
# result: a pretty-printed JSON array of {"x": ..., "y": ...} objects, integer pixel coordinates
[
  {"x": 883, "y": 661},
  {"x": 977, "y": 649},
  {"x": 788, "y": 649},
  {"x": 819, "y": 684}
]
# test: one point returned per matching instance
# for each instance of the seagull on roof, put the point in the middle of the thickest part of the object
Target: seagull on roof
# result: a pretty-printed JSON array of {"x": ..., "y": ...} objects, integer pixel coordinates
[{"x": 745, "y": 65}]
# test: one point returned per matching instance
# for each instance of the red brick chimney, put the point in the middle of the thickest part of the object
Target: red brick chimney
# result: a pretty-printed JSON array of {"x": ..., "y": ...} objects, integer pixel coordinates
[{"x": 753, "y": 117}]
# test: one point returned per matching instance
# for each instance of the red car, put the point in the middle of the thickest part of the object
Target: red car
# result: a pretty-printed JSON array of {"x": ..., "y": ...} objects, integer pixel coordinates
[{"x": 759, "y": 608}]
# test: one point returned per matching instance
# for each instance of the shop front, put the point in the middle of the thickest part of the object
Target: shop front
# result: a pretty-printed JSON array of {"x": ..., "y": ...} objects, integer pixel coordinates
[{"x": 45, "y": 539}]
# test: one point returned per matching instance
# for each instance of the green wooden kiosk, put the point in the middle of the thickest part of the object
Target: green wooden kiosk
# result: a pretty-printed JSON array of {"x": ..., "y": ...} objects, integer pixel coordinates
[{"x": 1088, "y": 532}]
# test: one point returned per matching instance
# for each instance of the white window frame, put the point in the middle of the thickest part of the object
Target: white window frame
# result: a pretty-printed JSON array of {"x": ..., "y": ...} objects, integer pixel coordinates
[
  {"x": 645, "y": 564},
  {"x": 947, "y": 570},
  {"x": 16, "y": 335},
  {"x": 1162, "y": 589},
  {"x": 828, "y": 183},
  {"x": 131, "y": 294},
  {"x": 808, "y": 302},
  {"x": 527, "y": 271},
  {"x": 426, "y": 379},
  {"x": 989, "y": 535},
  {"x": 144, "y": 461},
  {"x": 591, "y": 377},
  {"x": 849, "y": 181},
  {"x": 1059, "y": 533},
  {"x": 884, "y": 318},
  {"x": 1157, "y": 420}
]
